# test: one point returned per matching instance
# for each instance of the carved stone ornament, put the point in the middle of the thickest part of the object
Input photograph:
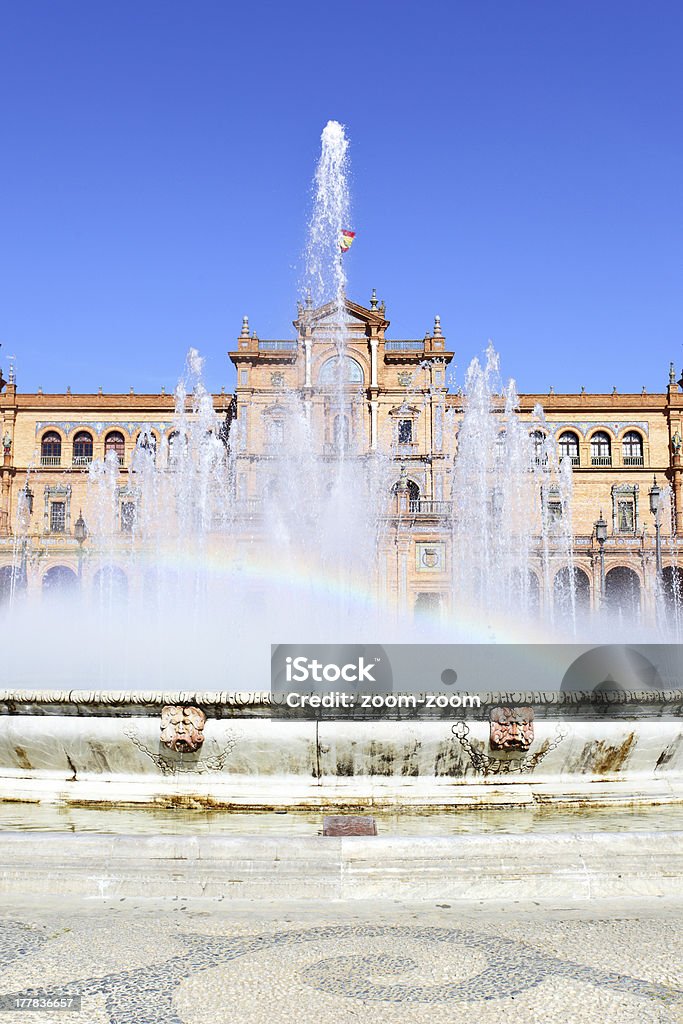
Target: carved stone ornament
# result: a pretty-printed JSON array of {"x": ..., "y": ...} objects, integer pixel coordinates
[
  {"x": 277, "y": 380},
  {"x": 405, "y": 379},
  {"x": 182, "y": 728},
  {"x": 676, "y": 443},
  {"x": 512, "y": 728}
]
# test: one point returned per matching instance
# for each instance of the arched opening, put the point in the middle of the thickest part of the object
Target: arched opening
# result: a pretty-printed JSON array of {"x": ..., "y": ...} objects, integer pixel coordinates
[
  {"x": 110, "y": 583},
  {"x": 11, "y": 579},
  {"x": 177, "y": 447},
  {"x": 622, "y": 592},
  {"x": 340, "y": 370},
  {"x": 672, "y": 587},
  {"x": 632, "y": 448},
  {"x": 601, "y": 449},
  {"x": 51, "y": 449},
  {"x": 82, "y": 444},
  {"x": 59, "y": 581},
  {"x": 413, "y": 494},
  {"x": 114, "y": 442},
  {"x": 571, "y": 592},
  {"x": 568, "y": 444},
  {"x": 525, "y": 592},
  {"x": 147, "y": 442}
]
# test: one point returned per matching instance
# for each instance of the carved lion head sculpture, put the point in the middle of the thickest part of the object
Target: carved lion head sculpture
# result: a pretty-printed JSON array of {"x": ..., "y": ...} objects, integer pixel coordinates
[{"x": 182, "y": 728}]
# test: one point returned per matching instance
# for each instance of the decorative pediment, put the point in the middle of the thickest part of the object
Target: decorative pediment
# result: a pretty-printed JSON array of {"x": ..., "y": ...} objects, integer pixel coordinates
[{"x": 355, "y": 315}]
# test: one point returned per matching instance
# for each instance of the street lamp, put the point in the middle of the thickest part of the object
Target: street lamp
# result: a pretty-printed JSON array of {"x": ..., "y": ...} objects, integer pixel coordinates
[
  {"x": 80, "y": 533},
  {"x": 601, "y": 537},
  {"x": 655, "y": 505},
  {"x": 26, "y": 498}
]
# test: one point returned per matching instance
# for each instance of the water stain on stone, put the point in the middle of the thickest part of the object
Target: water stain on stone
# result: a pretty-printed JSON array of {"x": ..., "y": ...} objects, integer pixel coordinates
[
  {"x": 382, "y": 758},
  {"x": 603, "y": 758},
  {"x": 22, "y": 758}
]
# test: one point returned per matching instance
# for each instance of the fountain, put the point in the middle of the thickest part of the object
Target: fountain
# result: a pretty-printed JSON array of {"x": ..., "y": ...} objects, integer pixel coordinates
[{"x": 162, "y": 697}]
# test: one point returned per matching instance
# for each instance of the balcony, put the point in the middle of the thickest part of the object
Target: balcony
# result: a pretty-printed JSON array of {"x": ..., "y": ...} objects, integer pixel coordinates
[
  {"x": 404, "y": 346},
  {"x": 50, "y": 460},
  {"x": 81, "y": 461},
  {"x": 601, "y": 460},
  {"x": 429, "y": 507},
  {"x": 634, "y": 460},
  {"x": 277, "y": 346}
]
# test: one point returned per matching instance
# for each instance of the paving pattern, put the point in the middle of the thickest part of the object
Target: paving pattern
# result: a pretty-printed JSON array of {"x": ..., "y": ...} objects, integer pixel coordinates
[{"x": 214, "y": 963}]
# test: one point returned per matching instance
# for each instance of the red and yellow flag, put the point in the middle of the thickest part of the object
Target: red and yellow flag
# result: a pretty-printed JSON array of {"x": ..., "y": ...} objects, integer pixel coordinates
[{"x": 346, "y": 240}]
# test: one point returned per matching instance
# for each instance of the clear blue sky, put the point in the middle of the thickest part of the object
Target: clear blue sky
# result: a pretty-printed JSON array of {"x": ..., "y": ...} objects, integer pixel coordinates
[{"x": 517, "y": 168}]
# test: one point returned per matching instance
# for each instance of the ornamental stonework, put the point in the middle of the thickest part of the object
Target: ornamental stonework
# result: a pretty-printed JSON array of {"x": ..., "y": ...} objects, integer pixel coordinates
[
  {"x": 511, "y": 728},
  {"x": 182, "y": 728}
]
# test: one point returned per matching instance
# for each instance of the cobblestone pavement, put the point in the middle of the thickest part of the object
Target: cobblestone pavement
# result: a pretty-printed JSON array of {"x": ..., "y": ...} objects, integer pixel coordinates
[{"x": 217, "y": 963}]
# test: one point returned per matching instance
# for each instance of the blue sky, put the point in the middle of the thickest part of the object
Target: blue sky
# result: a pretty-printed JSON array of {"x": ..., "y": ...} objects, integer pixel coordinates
[{"x": 517, "y": 168}]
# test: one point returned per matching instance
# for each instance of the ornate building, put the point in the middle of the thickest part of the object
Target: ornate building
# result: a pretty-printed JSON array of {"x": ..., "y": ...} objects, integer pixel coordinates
[{"x": 616, "y": 444}]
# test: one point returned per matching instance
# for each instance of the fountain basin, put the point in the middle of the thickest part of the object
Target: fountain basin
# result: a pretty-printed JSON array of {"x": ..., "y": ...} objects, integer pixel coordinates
[{"x": 89, "y": 748}]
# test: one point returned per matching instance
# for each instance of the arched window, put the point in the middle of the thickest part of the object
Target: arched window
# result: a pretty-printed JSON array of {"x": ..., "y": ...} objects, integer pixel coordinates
[
  {"x": 114, "y": 442},
  {"x": 341, "y": 370},
  {"x": 177, "y": 447},
  {"x": 147, "y": 442},
  {"x": 82, "y": 448},
  {"x": 413, "y": 494},
  {"x": 501, "y": 444},
  {"x": 568, "y": 444},
  {"x": 601, "y": 449},
  {"x": 51, "y": 449},
  {"x": 538, "y": 455},
  {"x": 632, "y": 448}
]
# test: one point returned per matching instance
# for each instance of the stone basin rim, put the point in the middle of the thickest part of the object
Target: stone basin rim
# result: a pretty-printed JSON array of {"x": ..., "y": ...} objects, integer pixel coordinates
[{"x": 262, "y": 698}]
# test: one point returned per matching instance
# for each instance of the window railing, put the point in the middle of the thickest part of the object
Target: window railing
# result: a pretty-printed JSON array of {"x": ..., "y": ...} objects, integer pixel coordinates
[
  {"x": 50, "y": 460},
  {"x": 634, "y": 460},
  {"x": 82, "y": 460},
  {"x": 277, "y": 346},
  {"x": 430, "y": 507},
  {"x": 601, "y": 460},
  {"x": 404, "y": 346}
]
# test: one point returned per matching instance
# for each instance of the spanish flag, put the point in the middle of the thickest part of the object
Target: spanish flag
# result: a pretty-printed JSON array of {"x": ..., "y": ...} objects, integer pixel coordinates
[{"x": 346, "y": 240}]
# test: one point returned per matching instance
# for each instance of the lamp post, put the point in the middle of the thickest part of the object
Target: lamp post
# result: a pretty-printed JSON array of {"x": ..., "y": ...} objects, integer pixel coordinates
[
  {"x": 80, "y": 533},
  {"x": 655, "y": 506},
  {"x": 601, "y": 537}
]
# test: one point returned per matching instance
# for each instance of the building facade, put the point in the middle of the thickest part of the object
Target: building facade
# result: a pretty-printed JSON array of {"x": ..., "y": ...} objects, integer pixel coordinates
[{"x": 377, "y": 394}]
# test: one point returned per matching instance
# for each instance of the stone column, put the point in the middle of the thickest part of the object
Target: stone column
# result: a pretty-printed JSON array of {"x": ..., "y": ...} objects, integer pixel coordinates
[
  {"x": 307, "y": 359},
  {"x": 677, "y": 482},
  {"x": 373, "y": 424}
]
